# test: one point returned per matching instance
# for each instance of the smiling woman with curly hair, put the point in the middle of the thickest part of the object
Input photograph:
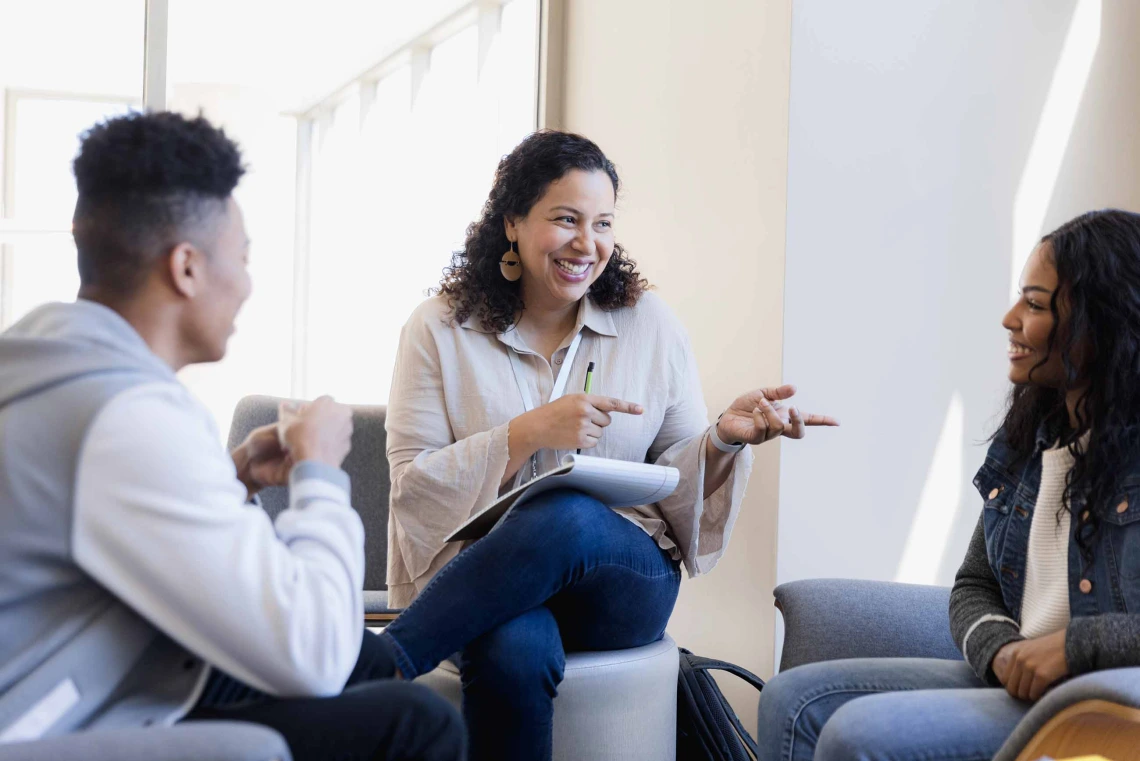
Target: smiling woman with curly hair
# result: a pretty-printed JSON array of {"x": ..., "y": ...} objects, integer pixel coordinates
[
  {"x": 483, "y": 400},
  {"x": 474, "y": 284}
]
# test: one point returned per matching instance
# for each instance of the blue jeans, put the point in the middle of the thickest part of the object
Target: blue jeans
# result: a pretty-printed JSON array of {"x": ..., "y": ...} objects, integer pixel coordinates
[
  {"x": 884, "y": 709},
  {"x": 561, "y": 573}
]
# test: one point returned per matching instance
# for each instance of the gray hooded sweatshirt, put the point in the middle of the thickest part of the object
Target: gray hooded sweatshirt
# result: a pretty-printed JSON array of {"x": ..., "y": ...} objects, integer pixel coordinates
[{"x": 130, "y": 561}]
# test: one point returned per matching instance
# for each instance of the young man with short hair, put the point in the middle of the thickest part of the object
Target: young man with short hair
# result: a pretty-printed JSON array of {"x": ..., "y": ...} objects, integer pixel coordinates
[{"x": 138, "y": 586}]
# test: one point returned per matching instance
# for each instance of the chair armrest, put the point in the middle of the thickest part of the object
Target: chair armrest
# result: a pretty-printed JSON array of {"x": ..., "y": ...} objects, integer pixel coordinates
[
  {"x": 192, "y": 741},
  {"x": 376, "y": 610},
  {"x": 828, "y": 619},
  {"x": 1114, "y": 686}
]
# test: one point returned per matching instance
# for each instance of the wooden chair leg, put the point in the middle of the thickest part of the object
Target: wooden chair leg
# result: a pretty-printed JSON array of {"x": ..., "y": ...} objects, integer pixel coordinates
[{"x": 1086, "y": 728}]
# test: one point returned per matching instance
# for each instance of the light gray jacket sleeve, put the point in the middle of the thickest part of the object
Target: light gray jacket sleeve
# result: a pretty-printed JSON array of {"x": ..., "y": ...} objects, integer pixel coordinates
[{"x": 161, "y": 521}]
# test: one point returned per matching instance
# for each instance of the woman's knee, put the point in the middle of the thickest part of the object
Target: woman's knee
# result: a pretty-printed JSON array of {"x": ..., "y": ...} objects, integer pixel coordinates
[
  {"x": 880, "y": 726},
  {"x": 519, "y": 656},
  {"x": 567, "y": 512},
  {"x": 966, "y": 724},
  {"x": 788, "y": 693},
  {"x": 852, "y": 734},
  {"x": 796, "y": 705}
]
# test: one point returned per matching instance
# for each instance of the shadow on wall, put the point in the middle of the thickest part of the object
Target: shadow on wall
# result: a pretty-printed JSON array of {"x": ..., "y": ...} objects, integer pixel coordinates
[{"x": 931, "y": 144}]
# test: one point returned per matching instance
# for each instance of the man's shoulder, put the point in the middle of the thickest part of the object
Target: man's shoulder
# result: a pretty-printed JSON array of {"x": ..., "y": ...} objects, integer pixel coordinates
[
  {"x": 157, "y": 396},
  {"x": 154, "y": 410},
  {"x": 156, "y": 437}
]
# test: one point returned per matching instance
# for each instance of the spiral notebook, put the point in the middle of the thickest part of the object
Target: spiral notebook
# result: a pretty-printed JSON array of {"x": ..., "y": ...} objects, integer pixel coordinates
[{"x": 615, "y": 483}]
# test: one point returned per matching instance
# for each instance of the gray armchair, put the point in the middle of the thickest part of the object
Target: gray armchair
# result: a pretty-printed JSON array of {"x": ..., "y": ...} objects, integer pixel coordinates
[
  {"x": 828, "y": 619},
  {"x": 194, "y": 741},
  {"x": 367, "y": 464}
]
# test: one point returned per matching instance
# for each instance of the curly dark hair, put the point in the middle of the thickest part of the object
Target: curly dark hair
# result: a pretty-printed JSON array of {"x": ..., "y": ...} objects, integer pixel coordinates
[
  {"x": 145, "y": 181},
  {"x": 473, "y": 283},
  {"x": 1097, "y": 258}
]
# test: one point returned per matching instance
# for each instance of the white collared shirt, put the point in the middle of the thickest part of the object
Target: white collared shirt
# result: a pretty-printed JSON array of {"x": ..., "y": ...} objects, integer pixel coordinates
[{"x": 454, "y": 394}]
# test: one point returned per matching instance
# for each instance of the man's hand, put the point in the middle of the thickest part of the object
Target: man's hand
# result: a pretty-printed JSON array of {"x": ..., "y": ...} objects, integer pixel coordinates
[
  {"x": 260, "y": 460},
  {"x": 1027, "y": 668},
  {"x": 320, "y": 431}
]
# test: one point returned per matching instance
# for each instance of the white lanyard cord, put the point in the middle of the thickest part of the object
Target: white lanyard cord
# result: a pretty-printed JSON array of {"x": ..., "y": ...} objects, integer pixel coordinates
[{"x": 557, "y": 392}]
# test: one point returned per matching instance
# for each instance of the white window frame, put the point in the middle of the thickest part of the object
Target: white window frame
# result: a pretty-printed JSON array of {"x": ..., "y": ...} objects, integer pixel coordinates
[{"x": 13, "y": 228}]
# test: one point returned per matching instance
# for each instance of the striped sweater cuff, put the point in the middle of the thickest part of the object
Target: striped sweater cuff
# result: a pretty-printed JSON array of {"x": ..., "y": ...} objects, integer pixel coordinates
[{"x": 982, "y": 641}]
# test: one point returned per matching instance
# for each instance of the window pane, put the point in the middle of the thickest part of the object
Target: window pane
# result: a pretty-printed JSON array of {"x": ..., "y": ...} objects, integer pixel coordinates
[
  {"x": 397, "y": 170},
  {"x": 43, "y": 268},
  {"x": 394, "y": 200},
  {"x": 47, "y": 135},
  {"x": 59, "y": 78},
  {"x": 239, "y": 74},
  {"x": 75, "y": 46},
  {"x": 345, "y": 263}
]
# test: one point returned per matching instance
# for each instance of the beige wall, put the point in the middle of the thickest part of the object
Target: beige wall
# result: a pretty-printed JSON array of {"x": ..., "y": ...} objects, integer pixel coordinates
[{"x": 691, "y": 101}]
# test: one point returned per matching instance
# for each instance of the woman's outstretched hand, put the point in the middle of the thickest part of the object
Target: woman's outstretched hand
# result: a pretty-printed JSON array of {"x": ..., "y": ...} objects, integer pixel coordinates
[{"x": 762, "y": 415}]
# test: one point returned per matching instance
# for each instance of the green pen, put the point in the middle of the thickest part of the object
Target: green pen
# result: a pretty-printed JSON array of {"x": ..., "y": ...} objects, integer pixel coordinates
[{"x": 589, "y": 382}]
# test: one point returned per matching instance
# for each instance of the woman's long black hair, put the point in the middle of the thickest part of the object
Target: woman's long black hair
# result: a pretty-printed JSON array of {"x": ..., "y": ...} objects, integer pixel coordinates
[{"x": 1097, "y": 258}]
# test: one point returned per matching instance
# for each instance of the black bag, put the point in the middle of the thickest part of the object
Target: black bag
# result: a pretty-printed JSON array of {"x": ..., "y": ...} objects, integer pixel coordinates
[{"x": 707, "y": 728}]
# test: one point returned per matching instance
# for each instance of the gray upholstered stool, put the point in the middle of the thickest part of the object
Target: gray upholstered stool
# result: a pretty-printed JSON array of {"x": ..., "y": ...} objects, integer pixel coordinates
[{"x": 619, "y": 705}]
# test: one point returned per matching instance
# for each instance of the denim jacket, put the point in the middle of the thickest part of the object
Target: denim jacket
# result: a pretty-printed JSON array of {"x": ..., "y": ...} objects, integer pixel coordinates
[
  {"x": 1009, "y": 492},
  {"x": 1104, "y": 596}
]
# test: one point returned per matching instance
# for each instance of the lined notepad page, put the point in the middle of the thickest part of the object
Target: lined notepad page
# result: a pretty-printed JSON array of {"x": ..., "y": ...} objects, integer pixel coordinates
[{"x": 616, "y": 483}]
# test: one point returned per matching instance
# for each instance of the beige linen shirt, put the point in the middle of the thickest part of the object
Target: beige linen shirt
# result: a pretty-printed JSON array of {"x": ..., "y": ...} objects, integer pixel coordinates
[{"x": 454, "y": 394}]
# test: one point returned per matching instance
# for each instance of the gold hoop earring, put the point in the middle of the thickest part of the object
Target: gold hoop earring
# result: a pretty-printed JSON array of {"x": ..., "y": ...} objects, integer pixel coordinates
[{"x": 511, "y": 265}]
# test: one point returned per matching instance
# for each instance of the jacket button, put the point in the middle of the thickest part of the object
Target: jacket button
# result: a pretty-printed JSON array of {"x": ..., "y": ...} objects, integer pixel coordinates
[
  {"x": 1122, "y": 507},
  {"x": 993, "y": 493},
  {"x": 1085, "y": 586},
  {"x": 1085, "y": 515}
]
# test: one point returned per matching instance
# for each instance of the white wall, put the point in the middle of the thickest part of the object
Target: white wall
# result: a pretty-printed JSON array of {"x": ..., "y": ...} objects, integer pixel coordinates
[
  {"x": 690, "y": 100},
  {"x": 930, "y": 144}
]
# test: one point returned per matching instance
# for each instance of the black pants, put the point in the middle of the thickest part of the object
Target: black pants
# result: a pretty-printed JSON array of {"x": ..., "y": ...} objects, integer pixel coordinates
[{"x": 376, "y": 718}]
